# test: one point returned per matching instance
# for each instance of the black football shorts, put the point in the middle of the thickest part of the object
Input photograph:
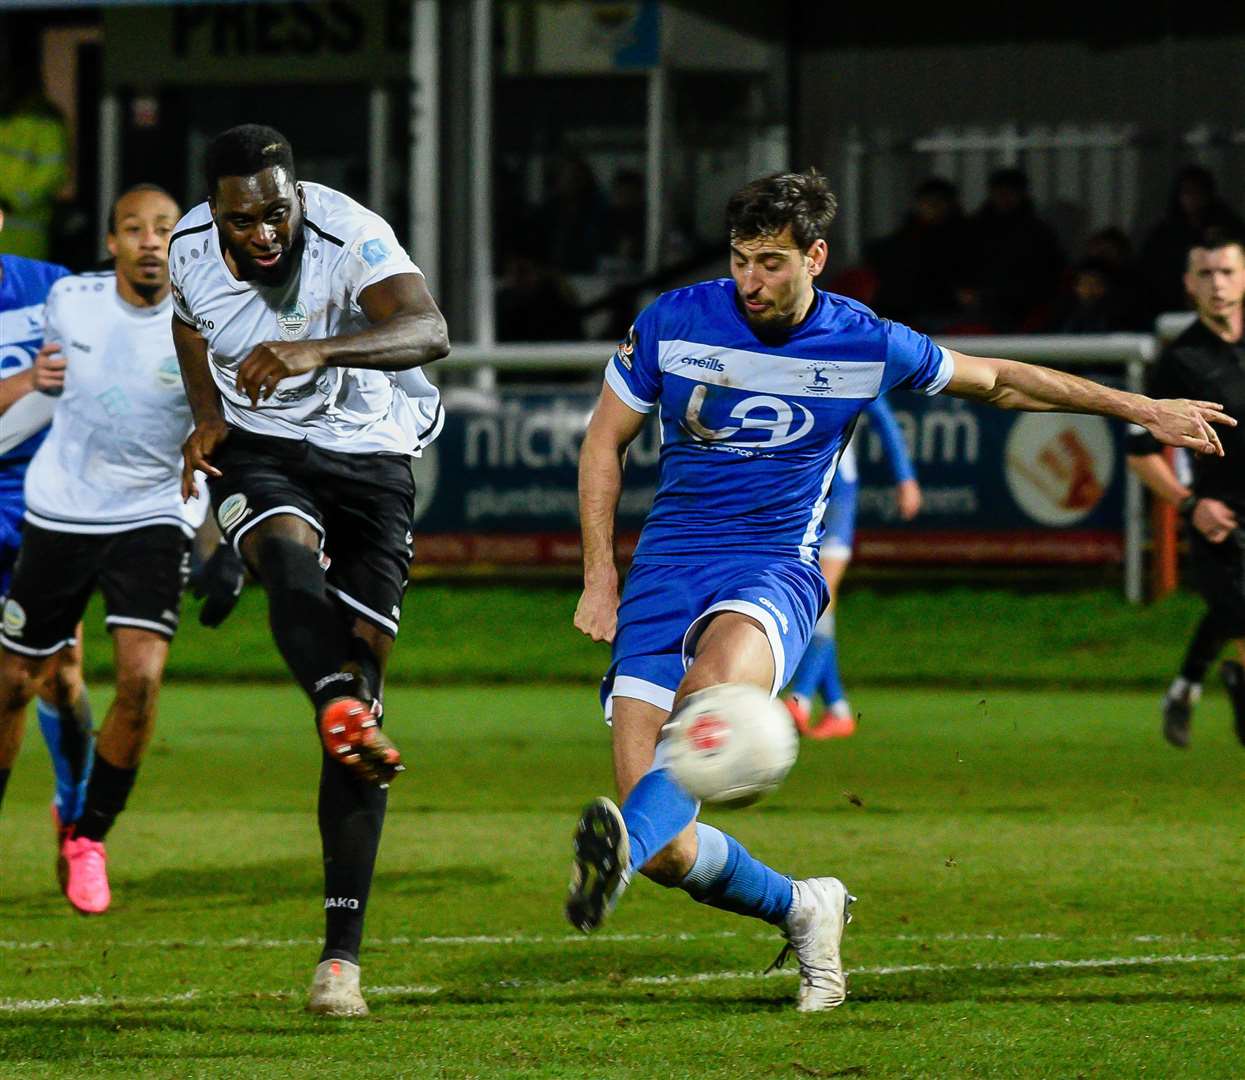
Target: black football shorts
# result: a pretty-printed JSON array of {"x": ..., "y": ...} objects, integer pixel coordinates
[
  {"x": 361, "y": 505},
  {"x": 141, "y": 573}
]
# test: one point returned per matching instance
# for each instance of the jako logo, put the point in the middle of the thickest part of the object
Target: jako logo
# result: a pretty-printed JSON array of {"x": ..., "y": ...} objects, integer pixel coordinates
[
  {"x": 712, "y": 363},
  {"x": 708, "y": 734},
  {"x": 341, "y": 902}
]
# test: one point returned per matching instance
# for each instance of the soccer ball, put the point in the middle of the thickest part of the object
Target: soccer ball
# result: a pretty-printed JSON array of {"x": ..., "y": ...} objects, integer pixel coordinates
[{"x": 730, "y": 744}]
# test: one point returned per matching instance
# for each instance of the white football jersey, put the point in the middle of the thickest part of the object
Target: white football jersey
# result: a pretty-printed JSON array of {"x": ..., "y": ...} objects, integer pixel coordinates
[
  {"x": 346, "y": 249},
  {"x": 112, "y": 460}
]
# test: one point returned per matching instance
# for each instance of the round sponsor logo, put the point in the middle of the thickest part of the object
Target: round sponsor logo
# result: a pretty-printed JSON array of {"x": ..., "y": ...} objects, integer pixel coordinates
[
  {"x": 232, "y": 511},
  {"x": 1059, "y": 467},
  {"x": 293, "y": 321},
  {"x": 14, "y": 619},
  {"x": 169, "y": 375}
]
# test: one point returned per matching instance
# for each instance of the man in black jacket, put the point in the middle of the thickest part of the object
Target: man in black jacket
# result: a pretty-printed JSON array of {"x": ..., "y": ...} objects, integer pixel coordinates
[{"x": 1207, "y": 361}]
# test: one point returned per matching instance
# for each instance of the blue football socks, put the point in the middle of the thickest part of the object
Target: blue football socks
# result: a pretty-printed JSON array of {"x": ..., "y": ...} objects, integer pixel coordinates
[
  {"x": 725, "y": 876},
  {"x": 68, "y": 735},
  {"x": 655, "y": 812},
  {"x": 808, "y": 673},
  {"x": 829, "y": 682}
]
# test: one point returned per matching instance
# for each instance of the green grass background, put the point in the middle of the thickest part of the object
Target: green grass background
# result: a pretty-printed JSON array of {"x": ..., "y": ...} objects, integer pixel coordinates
[
  {"x": 454, "y": 633},
  {"x": 1046, "y": 888}
]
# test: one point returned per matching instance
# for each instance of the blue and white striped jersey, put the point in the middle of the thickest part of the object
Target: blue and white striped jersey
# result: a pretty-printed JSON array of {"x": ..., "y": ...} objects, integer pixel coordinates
[{"x": 753, "y": 429}]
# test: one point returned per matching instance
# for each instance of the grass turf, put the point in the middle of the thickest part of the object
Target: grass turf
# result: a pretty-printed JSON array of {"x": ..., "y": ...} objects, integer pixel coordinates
[
  {"x": 1045, "y": 890},
  {"x": 470, "y": 633}
]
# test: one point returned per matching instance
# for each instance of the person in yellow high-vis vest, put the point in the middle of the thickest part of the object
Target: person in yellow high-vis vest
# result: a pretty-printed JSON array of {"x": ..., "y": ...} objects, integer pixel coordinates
[{"x": 33, "y": 168}]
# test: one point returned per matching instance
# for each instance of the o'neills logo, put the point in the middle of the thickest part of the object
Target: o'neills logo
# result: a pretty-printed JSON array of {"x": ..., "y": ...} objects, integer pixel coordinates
[{"x": 293, "y": 321}]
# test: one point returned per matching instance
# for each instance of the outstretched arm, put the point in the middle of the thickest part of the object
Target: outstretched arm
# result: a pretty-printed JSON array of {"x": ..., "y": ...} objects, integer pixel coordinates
[
  {"x": 610, "y": 431},
  {"x": 1013, "y": 385},
  {"x": 407, "y": 330}
]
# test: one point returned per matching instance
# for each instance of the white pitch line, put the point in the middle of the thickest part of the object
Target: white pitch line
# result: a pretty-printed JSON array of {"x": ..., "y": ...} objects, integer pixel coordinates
[
  {"x": 908, "y": 969},
  {"x": 98, "y": 1001},
  {"x": 454, "y": 941},
  {"x": 298, "y": 943}
]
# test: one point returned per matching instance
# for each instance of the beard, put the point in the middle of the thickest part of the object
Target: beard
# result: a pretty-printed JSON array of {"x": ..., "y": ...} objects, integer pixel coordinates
[{"x": 277, "y": 274}]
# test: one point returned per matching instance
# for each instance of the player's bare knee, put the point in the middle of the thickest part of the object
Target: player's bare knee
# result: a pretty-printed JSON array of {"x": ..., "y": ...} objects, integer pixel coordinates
[
  {"x": 138, "y": 690},
  {"x": 62, "y": 683},
  {"x": 19, "y": 680},
  {"x": 671, "y": 864}
]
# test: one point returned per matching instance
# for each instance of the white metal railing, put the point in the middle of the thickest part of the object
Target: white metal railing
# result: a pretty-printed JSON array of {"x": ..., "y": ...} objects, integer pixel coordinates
[
  {"x": 1128, "y": 352},
  {"x": 1092, "y": 169}
]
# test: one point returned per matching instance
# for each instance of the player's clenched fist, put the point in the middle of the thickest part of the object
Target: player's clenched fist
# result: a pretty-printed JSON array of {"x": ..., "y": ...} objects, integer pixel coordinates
[
  {"x": 596, "y": 614},
  {"x": 197, "y": 453},
  {"x": 47, "y": 374},
  {"x": 271, "y": 361}
]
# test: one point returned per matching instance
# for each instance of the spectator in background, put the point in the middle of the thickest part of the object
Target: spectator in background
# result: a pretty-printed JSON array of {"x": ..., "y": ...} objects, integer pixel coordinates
[
  {"x": 1094, "y": 303},
  {"x": 572, "y": 218},
  {"x": 625, "y": 219},
  {"x": 1194, "y": 207},
  {"x": 1015, "y": 256},
  {"x": 33, "y": 154},
  {"x": 920, "y": 266},
  {"x": 535, "y": 303}
]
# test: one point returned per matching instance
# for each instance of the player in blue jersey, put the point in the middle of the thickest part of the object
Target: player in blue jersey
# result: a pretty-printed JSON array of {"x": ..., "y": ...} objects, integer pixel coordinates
[
  {"x": 758, "y": 379},
  {"x": 818, "y": 672},
  {"x": 29, "y": 373}
]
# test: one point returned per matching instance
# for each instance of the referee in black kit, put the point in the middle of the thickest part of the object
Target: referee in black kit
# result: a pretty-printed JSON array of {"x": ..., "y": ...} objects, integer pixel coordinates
[{"x": 1207, "y": 361}]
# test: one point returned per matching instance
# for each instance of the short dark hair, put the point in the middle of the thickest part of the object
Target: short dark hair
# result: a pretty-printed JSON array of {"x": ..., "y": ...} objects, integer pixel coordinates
[
  {"x": 112, "y": 210},
  {"x": 244, "y": 151},
  {"x": 766, "y": 206},
  {"x": 1214, "y": 237}
]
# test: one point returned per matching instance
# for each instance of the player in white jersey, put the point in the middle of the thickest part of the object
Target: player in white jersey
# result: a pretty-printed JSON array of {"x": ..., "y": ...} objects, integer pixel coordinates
[
  {"x": 104, "y": 509},
  {"x": 759, "y": 380},
  {"x": 301, "y": 325}
]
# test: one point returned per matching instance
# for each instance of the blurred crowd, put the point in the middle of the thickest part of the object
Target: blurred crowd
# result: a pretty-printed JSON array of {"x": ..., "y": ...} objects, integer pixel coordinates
[{"x": 1002, "y": 270}]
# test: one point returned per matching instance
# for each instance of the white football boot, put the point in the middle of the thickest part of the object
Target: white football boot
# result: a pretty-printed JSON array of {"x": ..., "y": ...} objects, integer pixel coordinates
[
  {"x": 814, "y": 930},
  {"x": 335, "y": 990}
]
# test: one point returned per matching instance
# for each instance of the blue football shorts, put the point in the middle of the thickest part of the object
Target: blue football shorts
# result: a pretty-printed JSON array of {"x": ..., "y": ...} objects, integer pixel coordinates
[
  {"x": 12, "y": 507},
  {"x": 839, "y": 519},
  {"x": 665, "y": 608}
]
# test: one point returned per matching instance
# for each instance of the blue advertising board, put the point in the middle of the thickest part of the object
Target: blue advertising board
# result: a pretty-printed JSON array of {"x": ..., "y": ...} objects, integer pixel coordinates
[{"x": 500, "y": 484}]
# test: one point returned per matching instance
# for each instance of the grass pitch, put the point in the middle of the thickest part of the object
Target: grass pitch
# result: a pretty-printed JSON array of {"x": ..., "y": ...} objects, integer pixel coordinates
[{"x": 1046, "y": 889}]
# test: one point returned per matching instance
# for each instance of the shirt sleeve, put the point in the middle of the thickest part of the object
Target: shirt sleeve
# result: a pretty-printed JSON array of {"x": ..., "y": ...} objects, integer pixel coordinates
[
  {"x": 373, "y": 255},
  {"x": 52, "y": 317},
  {"x": 914, "y": 361},
  {"x": 882, "y": 421},
  {"x": 633, "y": 372},
  {"x": 180, "y": 308}
]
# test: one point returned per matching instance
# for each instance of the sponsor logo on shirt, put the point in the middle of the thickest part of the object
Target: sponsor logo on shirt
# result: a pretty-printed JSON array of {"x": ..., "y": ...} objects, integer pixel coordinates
[
  {"x": 293, "y": 321},
  {"x": 626, "y": 348},
  {"x": 232, "y": 511},
  {"x": 374, "y": 252},
  {"x": 711, "y": 363}
]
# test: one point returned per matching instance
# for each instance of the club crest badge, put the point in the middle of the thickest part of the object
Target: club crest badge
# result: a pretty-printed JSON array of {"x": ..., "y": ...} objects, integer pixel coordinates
[
  {"x": 232, "y": 511},
  {"x": 14, "y": 619},
  {"x": 293, "y": 321}
]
